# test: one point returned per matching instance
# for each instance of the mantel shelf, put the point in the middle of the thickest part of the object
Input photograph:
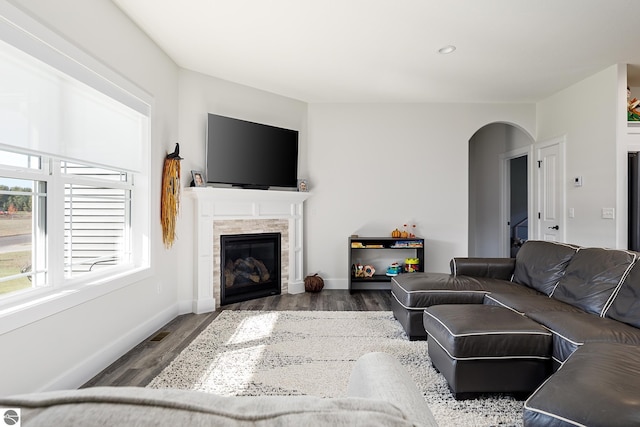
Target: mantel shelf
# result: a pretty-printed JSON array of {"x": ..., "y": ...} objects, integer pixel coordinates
[{"x": 243, "y": 194}]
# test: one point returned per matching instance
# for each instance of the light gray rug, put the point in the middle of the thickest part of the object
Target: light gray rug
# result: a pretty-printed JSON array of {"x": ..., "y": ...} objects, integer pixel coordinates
[{"x": 312, "y": 353}]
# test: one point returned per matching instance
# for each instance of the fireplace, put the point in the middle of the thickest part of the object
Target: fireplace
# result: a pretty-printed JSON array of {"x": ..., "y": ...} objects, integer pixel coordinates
[
  {"x": 223, "y": 211},
  {"x": 250, "y": 266}
]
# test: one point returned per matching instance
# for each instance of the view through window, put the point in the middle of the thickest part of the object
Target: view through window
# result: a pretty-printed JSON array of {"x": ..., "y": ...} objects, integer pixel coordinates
[{"x": 22, "y": 204}]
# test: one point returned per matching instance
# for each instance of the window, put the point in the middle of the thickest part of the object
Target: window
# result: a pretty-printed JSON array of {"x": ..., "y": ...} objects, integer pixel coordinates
[
  {"x": 96, "y": 222},
  {"x": 74, "y": 188},
  {"x": 22, "y": 241}
]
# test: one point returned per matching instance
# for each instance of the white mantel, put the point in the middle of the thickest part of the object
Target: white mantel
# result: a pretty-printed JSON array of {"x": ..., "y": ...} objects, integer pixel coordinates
[{"x": 231, "y": 204}]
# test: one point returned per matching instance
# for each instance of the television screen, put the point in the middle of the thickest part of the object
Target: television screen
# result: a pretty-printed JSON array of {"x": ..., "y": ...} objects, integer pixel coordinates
[{"x": 251, "y": 155}]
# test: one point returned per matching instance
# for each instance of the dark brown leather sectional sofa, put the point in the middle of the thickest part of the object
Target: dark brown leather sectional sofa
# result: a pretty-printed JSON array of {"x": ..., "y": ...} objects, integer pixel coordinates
[{"x": 588, "y": 298}]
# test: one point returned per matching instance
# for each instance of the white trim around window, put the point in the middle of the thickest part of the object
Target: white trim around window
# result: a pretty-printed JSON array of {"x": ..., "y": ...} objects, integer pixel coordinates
[{"x": 22, "y": 308}]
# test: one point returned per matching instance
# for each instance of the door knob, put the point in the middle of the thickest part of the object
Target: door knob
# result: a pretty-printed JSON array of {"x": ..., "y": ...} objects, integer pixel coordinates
[{"x": 555, "y": 227}]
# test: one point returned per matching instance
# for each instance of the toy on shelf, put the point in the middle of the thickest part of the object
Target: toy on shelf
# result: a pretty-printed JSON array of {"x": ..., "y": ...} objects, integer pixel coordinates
[
  {"x": 369, "y": 271},
  {"x": 394, "y": 269},
  {"x": 359, "y": 270},
  {"x": 411, "y": 265}
]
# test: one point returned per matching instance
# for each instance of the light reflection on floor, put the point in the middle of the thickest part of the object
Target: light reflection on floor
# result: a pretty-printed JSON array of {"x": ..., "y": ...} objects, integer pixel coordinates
[{"x": 243, "y": 361}]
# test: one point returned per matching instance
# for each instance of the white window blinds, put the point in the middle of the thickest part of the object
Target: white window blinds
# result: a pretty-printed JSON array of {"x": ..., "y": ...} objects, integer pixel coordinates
[{"x": 57, "y": 106}]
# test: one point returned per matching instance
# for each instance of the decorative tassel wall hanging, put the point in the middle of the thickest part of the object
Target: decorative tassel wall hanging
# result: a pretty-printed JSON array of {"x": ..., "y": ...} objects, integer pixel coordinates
[{"x": 170, "y": 200}]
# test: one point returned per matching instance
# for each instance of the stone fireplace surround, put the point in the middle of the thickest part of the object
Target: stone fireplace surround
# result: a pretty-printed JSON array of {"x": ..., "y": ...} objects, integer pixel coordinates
[{"x": 243, "y": 211}]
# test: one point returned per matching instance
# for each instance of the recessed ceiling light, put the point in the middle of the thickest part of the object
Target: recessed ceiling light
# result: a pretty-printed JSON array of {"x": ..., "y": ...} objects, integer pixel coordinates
[{"x": 447, "y": 49}]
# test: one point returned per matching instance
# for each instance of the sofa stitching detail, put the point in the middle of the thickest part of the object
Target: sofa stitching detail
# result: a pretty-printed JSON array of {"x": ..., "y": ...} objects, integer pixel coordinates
[
  {"x": 473, "y": 334},
  {"x": 554, "y": 288},
  {"x": 405, "y": 307},
  {"x": 615, "y": 292},
  {"x": 527, "y": 406},
  {"x": 488, "y": 296},
  {"x": 433, "y": 291},
  {"x": 566, "y": 338},
  {"x": 549, "y": 414},
  {"x": 487, "y": 357}
]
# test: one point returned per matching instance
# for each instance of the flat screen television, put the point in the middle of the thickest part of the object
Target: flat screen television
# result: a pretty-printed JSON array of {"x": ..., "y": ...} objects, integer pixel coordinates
[{"x": 250, "y": 155}]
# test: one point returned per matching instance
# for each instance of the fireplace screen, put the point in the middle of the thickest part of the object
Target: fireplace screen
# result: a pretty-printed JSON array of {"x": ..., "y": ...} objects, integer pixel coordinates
[{"x": 250, "y": 266}]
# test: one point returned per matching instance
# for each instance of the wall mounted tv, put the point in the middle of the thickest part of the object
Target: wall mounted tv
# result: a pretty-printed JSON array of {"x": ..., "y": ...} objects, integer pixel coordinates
[{"x": 251, "y": 155}]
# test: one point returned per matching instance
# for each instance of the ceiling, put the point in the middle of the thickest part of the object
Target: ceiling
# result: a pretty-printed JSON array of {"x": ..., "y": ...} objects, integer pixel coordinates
[{"x": 387, "y": 50}]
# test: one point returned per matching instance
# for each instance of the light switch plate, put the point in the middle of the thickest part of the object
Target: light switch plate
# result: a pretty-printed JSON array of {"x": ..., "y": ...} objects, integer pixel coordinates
[{"x": 608, "y": 213}]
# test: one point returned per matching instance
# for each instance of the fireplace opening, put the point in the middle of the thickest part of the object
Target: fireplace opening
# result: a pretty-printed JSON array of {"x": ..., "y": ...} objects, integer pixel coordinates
[{"x": 250, "y": 266}]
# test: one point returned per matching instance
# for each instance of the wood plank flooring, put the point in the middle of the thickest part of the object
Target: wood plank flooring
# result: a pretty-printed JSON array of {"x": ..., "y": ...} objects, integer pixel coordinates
[{"x": 145, "y": 361}]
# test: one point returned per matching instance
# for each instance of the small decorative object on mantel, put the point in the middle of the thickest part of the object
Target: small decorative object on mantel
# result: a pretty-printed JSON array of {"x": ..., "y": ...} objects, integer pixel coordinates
[
  {"x": 303, "y": 185},
  {"x": 170, "y": 198},
  {"x": 197, "y": 179},
  {"x": 313, "y": 283},
  {"x": 633, "y": 112}
]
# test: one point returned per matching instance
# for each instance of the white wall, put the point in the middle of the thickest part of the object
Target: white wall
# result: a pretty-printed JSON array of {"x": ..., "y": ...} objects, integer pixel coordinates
[
  {"x": 199, "y": 95},
  {"x": 373, "y": 168},
  {"x": 68, "y": 348},
  {"x": 586, "y": 114}
]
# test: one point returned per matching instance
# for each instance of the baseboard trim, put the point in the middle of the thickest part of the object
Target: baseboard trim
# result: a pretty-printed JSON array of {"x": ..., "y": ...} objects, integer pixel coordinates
[{"x": 336, "y": 284}]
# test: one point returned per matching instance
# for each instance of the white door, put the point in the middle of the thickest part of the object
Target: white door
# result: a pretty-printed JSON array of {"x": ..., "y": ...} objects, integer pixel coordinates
[{"x": 550, "y": 191}]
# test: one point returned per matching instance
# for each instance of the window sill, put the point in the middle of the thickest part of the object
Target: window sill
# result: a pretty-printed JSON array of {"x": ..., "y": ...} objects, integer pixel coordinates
[{"x": 39, "y": 304}]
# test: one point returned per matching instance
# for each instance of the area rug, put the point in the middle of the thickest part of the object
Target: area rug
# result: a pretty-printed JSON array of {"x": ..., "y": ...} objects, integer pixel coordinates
[{"x": 312, "y": 353}]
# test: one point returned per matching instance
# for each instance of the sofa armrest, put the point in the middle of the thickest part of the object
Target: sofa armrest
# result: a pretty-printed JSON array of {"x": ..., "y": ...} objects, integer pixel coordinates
[
  {"x": 495, "y": 268},
  {"x": 380, "y": 376}
]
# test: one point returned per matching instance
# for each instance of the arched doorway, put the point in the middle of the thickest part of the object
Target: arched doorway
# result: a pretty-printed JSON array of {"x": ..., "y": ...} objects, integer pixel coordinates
[{"x": 497, "y": 154}]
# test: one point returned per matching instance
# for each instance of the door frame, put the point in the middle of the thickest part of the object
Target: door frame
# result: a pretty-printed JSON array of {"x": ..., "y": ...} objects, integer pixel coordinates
[
  {"x": 536, "y": 230},
  {"x": 505, "y": 194}
]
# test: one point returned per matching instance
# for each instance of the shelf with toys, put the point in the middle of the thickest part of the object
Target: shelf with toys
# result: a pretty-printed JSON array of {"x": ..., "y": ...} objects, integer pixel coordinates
[{"x": 373, "y": 261}]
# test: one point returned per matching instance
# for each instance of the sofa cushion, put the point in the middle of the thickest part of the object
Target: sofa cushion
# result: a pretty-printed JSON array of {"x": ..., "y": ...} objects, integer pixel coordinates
[
  {"x": 540, "y": 264},
  {"x": 111, "y": 406},
  {"x": 495, "y": 268},
  {"x": 417, "y": 291},
  {"x": 572, "y": 330},
  {"x": 626, "y": 303},
  {"x": 592, "y": 277},
  {"x": 525, "y": 304},
  {"x": 596, "y": 387}
]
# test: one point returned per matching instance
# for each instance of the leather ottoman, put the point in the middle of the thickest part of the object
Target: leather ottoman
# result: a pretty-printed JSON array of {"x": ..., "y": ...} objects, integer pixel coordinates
[
  {"x": 411, "y": 293},
  {"x": 487, "y": 349}
]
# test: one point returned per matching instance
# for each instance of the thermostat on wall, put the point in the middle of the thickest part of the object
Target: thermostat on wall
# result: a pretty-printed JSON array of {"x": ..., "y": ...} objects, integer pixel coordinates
[{"x": 577, "y": 181}]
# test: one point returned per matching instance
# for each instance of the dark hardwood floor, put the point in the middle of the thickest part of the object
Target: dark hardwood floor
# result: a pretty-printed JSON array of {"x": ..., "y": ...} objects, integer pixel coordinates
[{"x": 140, "y": 365}]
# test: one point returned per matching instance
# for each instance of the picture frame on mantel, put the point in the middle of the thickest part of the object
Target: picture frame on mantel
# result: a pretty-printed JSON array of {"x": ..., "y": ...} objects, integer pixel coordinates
[
  {"x": 198, "y": 179},
  {"x": 303, "y": 185}
]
